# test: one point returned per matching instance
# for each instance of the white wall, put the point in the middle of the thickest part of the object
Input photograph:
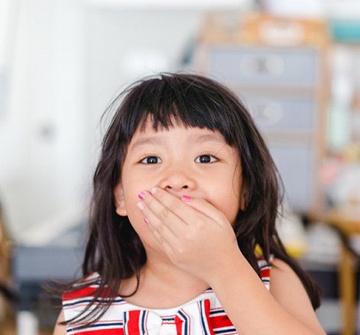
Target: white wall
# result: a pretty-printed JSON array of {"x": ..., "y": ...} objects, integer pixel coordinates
[
  {"x": 42, "y": 132},
  {"x": 69, "y": 59}
]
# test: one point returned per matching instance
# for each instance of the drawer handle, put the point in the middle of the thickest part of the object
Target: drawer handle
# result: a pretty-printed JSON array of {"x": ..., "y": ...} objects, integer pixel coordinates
[
  {"x": 268, "y": 114},
  {"x": 262, "y": 66}
]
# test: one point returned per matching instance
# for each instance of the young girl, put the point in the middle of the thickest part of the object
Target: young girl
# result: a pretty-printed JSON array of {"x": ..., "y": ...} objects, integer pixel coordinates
[{"x": 184, "y": 194}]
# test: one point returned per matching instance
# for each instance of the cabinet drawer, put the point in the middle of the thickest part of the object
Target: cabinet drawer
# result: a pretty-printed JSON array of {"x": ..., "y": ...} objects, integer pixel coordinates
[
  {"x": 282, "y": 114},
  {"x": 264, "y": 66},
  {"x": 296, "y": 164}
]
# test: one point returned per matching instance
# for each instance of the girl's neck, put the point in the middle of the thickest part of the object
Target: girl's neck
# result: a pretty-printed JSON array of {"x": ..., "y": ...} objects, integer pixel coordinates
[{"x": 162, "y": 286}]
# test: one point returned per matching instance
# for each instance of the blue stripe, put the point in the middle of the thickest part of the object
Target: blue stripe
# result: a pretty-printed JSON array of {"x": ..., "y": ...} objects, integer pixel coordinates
[
  {"x": 185, "y": 326},
  {"x": 125, "y": 322},
  {"x": 88, "y": 300},
  {"x": 98, "y": 325},
  {"x": 143, "y": 318},
  {"x": 225, "y": 331},
  {"x": 106, "y": 324},
  {"x": 221, "y": 311},
  {"x": 79, "y": 302},
  {"x": 203, "y": 319}
]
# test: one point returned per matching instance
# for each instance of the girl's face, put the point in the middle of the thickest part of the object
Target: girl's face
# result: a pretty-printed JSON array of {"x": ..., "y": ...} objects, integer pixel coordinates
[{"x": 184, "y": 161}]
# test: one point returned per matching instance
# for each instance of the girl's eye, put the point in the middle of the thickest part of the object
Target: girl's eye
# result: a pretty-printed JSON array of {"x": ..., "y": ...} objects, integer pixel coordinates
[
  {"x": 205, "y": 159},
  {"x": 151, "y": 160}
]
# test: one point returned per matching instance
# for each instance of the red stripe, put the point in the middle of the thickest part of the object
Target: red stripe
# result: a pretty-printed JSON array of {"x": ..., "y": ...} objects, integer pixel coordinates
[
  {"x": 220, "y": 321},
  {"x": 209, "y": 326},
  {"x": 133, "y": 323},
  {"x": 178, "y": 323},
  {"x": 101, "y": 331},
  {"x": 265, "y": 272},
  {"x": 81, "y": 293}
]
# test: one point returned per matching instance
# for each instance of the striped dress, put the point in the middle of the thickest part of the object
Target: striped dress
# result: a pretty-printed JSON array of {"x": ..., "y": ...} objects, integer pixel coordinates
[{"x": 203, "y": 315}]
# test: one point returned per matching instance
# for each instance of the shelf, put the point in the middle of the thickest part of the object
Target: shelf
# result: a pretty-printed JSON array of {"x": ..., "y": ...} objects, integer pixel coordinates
[{"x": 169, "y": 4}]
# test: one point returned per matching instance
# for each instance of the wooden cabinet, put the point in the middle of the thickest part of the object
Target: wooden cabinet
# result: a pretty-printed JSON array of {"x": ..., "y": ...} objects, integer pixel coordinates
[{"x": 284, "y": 85}]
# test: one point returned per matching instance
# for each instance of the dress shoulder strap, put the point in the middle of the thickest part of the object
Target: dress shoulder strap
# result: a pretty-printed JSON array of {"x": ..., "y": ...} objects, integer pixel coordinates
[{"x": 265, "y": 269}]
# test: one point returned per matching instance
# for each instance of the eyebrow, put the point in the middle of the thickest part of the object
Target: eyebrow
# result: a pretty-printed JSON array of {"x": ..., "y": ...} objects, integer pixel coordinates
[
  {"x": 152, "y": 140},
  {"x": 193, "y": 138},
  {"x": 206, "y": 138}
]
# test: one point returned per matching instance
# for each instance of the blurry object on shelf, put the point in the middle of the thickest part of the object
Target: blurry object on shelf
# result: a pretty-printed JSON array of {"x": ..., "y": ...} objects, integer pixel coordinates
[
  {"x": 351, "y": 154},
  {"x": 354, "y": 241},
  {"x": 340, "y": 173},
  {"x": 344, "y": 20},
  {"x": 343, "y": 83},
  {"x": 296, "y": 9},
  {"x": 346, "y": 218},
  {"x": 355, "y": 114},
  {"x": 275, "y": 30},
  {"x": 345, "y": 189},
  {"x": 345, "y": 30},
  {"x": 330, "y": 170},
  {"x": 323, "y": 244},
  {"x": 292, "y": 234},
  {"x": 260, "y": 28}
]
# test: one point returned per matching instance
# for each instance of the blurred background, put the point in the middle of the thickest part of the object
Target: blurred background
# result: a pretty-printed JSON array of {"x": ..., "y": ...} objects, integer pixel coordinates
[{"x": 296, "y": 66}]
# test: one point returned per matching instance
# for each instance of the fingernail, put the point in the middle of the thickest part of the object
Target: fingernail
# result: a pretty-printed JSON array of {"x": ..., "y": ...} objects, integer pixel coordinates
[
  {"x": 141, "y": 195},
  {"x": 146, "y": 220},
  {"x": 186, "y": 198},
  {"x": 153, "y": 190},
  {"x": 140, "y": 205}
]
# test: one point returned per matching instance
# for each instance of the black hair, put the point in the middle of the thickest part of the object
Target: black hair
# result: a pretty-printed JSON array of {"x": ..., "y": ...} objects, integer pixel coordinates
[{"x": 194, "y": 101}]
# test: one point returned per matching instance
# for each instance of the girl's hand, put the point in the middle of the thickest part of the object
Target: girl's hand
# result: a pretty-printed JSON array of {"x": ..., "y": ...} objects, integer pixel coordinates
[
  {"x": 194, "y": 234},
  {"x": 199, "y": 239}
]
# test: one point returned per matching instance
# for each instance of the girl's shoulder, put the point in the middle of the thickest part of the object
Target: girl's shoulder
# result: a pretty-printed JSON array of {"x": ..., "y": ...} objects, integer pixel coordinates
[
  {"x": 289, "y": 291},
  {"x": 89, "y": 294},
  {"x": 285, "y": 282},
  {"x": 281, "y": 272}
]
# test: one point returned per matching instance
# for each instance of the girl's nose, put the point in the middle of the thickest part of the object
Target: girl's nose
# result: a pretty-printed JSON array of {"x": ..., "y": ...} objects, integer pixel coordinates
[{"x": 177, "y": 181}]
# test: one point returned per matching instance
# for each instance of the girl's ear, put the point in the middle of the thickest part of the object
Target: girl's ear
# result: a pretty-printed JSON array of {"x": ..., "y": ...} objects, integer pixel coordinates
[{"x": 120, "y": 200}]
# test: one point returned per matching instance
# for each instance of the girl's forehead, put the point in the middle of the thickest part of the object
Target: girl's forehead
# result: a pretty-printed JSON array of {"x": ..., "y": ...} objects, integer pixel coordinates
[
  {"x": 151, "y": 126},
  {"x": 148, "y": 127},
  {"x": 180, "y": 135}
]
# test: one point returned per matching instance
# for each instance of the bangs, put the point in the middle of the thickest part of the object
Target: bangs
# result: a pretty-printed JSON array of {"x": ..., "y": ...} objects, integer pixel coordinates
[{"x": 172, "y": 100}]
